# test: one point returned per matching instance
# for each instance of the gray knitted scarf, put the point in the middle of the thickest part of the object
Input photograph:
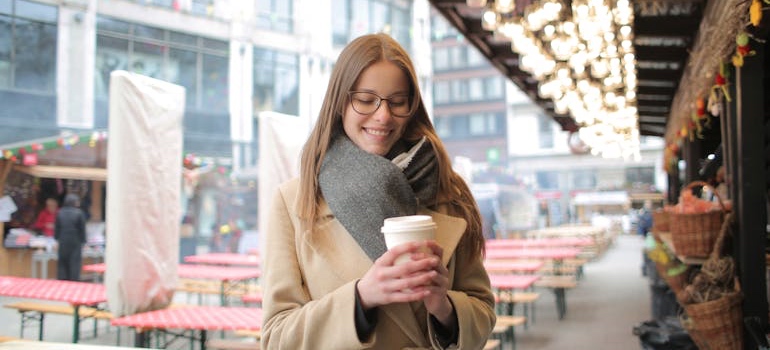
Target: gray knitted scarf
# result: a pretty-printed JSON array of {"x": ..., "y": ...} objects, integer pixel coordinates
[{"x": 363, "y": 189}]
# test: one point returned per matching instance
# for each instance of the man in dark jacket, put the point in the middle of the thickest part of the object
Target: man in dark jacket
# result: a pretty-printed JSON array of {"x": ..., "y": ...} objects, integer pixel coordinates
[{"x": 70, "y": 232}]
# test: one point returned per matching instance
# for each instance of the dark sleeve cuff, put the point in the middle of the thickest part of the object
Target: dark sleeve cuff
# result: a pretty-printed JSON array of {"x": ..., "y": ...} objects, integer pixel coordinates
[
  {"x": 365, "y": 320},
  {"x": 445, "y": 336}
]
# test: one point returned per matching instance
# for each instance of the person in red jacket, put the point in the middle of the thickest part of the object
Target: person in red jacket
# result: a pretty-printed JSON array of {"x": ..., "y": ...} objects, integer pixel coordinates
[{"x": 47, "y": 218}]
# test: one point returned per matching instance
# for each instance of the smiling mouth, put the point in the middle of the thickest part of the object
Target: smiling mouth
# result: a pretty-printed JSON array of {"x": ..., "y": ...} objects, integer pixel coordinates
[{"x": 377, "y": 132}]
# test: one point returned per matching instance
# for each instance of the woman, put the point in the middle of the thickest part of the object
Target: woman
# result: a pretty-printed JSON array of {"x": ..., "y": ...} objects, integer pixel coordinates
[
  {"x": 329, "y": 280},
  {"x": 71, "y": 235},
  {"x": 44, "y": 223}
]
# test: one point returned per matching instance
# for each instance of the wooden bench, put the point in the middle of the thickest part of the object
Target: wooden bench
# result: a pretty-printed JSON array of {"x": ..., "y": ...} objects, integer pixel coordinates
[
  {"x": 528, "y": 300},
  {"x": 201, "y": 288},
  {"x": 232, "y": 344},
  {"x": 248, "y": 333},
  {"x": 559, "y": 285},
  {"x": 504, "y": 328},
  {"x": 35, "y": 312},
  {"x": 492, "y": 344},
  {"x": 566, "y": 267}
]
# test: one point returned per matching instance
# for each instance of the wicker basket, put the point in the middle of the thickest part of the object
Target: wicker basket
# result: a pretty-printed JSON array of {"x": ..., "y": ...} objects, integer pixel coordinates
[
  {"x": 694, "y": 235},
  {"x": 660, "y": 221},
  {"x": 717, "y": 324}
]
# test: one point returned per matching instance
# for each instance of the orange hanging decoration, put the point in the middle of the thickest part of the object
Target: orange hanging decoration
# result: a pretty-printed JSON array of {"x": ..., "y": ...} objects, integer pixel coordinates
[{"x": 755, "y": 12}]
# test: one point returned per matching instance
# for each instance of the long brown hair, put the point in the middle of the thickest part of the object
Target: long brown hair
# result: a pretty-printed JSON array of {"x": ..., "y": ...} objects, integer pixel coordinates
[{"x": 353, "y": 60}]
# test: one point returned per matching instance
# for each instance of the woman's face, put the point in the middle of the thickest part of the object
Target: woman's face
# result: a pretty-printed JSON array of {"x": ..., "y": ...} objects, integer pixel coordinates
[
  {"x": 377, "y": 132},
  {"x": 51, "y": 205}
]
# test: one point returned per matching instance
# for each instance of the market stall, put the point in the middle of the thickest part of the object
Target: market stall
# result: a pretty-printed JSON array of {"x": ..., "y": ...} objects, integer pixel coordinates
[{"x": 33, "y": 171}]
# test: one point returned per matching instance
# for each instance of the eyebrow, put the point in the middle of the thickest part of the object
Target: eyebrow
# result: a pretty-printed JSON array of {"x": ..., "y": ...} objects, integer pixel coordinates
[{"x": 376, "y": 93}]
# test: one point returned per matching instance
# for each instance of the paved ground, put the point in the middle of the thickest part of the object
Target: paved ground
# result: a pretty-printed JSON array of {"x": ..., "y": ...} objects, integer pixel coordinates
[{"x": 609, "y": 301}]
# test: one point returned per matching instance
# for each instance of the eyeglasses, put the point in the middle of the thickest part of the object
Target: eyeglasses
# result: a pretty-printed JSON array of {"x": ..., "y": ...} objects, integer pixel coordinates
[{"x": 367, "y": 103}]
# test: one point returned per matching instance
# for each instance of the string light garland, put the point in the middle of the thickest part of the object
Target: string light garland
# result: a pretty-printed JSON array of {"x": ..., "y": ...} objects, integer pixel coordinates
[{"x": 583, "y": 58}]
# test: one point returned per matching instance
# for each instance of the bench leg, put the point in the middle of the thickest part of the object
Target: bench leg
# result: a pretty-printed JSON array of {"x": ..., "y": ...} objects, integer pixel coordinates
[
  {"x": 561, "y": 303},
  {"x": 40, "y": 334}
]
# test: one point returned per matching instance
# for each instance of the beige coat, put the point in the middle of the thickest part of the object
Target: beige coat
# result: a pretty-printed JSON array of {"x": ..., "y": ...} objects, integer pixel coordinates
[{"x": 309, "y": 285}]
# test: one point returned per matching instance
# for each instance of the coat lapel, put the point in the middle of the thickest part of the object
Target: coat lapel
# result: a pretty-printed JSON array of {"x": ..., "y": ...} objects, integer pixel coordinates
[{"x": 348, "y": 261}]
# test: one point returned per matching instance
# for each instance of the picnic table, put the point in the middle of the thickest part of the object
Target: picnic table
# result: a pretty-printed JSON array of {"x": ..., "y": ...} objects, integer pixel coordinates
[
  {"x": 513, "y": 266},
  {"x": 227, "y": 276},
  {"x": 534, "y": 253},
  {"x": 191, "y": 319},
  {"x": 76, "y": 294},
  {"x": 554, "y": 242},
  {"x": 510, "y": 282}
]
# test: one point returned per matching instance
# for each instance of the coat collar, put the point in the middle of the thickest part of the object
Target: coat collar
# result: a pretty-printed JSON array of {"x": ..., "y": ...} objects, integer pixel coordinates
[{"x": 348, "y": 261}]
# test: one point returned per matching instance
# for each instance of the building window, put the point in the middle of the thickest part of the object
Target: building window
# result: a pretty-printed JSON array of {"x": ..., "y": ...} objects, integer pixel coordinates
[
  {"x": 584, "y": 179},
  {"x": 475, "y": 58},
  {"x": 493, "y": 87},
  {"x": 459, "y": 91},
  {"x": 199, "y": 64},
  {"x": 441, "y": 29},
  {"x": 441, "y": 59},
  {"x": 640, "y": 175},
  {"x": 545, "y": 129},
  {"x": 443, "y": 127},
  {"x": 275, "y": 15},
  {"x": 28, "y": 36},
  {"x": 28, "y": 40},
  {"x": 476, "y": 89},
  {"x": 276, "y": 81},
  {"x": 547, "y": 180},
  {"x": 354, "y": 18},
  {"x": 458, "y": 127},
  {"x": 441, "y": 92}
]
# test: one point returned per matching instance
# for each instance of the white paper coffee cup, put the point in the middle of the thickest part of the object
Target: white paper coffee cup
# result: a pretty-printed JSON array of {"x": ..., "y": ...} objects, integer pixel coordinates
[{"x": 413, "y": 228}]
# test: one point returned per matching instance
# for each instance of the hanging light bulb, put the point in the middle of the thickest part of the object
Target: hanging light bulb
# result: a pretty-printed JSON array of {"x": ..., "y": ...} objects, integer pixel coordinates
[
  {"x": 476, "y": 3},
  {"x": 490, "y": 19},
  {"x": 505, "y": 6}
]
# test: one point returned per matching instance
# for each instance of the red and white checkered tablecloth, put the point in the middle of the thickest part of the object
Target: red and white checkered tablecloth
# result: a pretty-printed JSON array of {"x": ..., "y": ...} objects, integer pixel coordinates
[
  {"x": 224, "y": 259},
  {"x": 512, "y": 281},
  {"x": 503, "y": 266},
  {"x": 210, "y": 272},
  {"x": 568, "y": 242},
  {"x": 196, "y": 318},
  {"x": 76, "y": 293},
  {"x": 534, "y": 253}
]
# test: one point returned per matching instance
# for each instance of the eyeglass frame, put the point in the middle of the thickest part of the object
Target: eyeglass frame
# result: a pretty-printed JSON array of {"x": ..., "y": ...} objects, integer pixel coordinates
[{"x": 412, "y": 107}]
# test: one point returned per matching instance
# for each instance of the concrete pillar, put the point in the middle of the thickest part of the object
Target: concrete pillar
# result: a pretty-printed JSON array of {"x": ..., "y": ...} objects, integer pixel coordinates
[{"x": 75, "y": 59}]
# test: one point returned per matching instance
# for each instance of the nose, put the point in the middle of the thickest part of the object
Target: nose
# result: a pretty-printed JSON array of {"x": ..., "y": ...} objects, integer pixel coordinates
[{"x": 383, "y": 113}]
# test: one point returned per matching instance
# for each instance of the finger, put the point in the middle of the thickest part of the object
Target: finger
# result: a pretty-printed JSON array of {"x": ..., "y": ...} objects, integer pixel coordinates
[
  {"x": 410, "y": 282},
  {"x": 390, "y": 256},
  {"x": 435, "y": 248}
]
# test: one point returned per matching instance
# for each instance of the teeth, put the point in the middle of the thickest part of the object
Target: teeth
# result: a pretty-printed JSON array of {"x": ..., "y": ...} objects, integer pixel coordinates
[{"x": 377, "y": 132}]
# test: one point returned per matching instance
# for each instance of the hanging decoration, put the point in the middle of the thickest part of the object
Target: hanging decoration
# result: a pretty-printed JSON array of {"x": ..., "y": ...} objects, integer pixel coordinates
[
  {"x": 755, "y": 12},
  {"x": 700, "y": 119},
  {"x": 671, "y": 157},
  {"x": 66, "y": 141},
  {"x": 720, "y": 83},
  {"x": 742, "y": 49}
]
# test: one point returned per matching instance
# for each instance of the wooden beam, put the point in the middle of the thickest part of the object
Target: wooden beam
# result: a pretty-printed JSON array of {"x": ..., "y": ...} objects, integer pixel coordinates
[
  {"x": 750, "y": 202},
  {"x": 63, "y": 172}
]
